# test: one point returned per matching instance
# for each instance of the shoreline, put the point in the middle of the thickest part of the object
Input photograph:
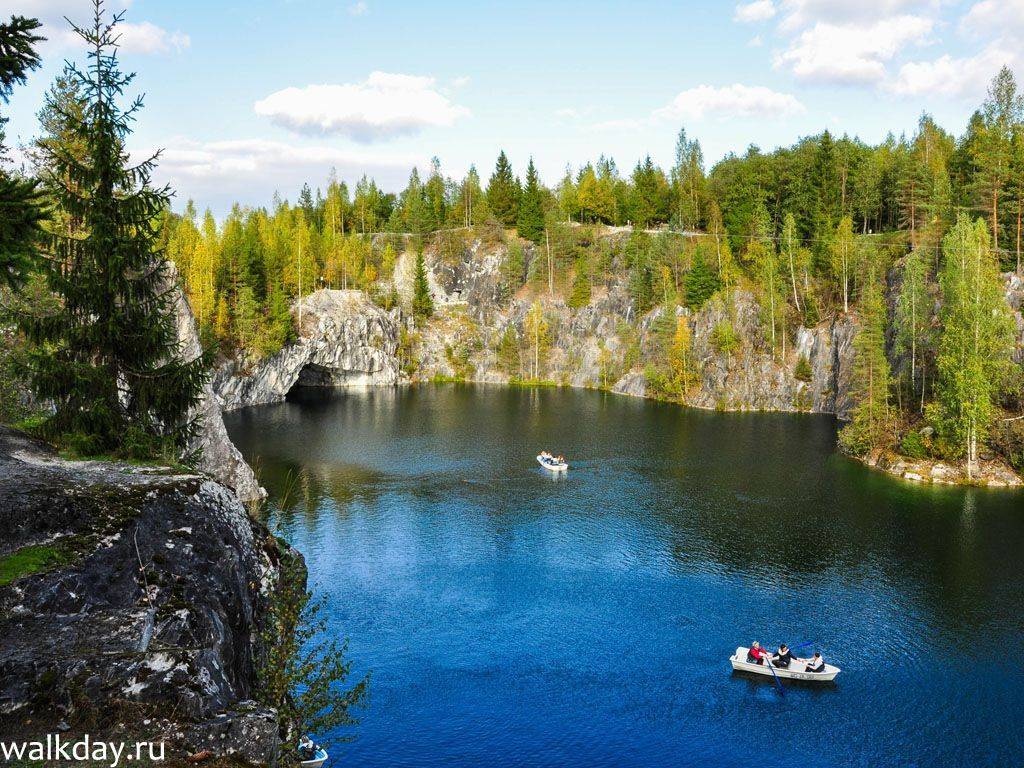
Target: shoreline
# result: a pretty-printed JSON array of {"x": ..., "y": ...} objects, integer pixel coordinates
[{"x": 992, "y": 473}]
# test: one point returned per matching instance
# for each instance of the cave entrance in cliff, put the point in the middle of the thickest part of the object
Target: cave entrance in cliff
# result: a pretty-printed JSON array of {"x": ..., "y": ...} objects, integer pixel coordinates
[{"x": 313, "y": 375}]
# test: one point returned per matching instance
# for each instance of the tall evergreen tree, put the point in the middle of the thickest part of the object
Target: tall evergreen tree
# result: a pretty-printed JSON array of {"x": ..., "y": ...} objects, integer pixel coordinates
[
  {"x": 21, "y": 205},
  {"x": 701, "y": 281},
  {"x": 503, "y": 192},
  {"x": 871, "y": 424},
  {"x": 530, "y": 219},
  {"x": 109, "y": 360},
  {"x": 422, "y": 303}
]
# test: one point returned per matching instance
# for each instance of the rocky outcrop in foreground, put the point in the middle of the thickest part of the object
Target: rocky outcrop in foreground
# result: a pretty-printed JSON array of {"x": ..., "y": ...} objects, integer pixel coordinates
[
  {"x": 344, "y": 340},
  {"x": 131, "y": 602}
]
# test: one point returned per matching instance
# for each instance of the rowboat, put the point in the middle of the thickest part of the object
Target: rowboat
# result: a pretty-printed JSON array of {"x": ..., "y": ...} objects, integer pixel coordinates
[
  {"x": 552, "y": 464},
  {"x": 795, "y": 671},
  {"x": 317, "y": 760}
]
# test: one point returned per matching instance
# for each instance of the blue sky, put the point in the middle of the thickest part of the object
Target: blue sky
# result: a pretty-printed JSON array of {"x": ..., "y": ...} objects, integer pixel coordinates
[{"x": 251, "y": 97}]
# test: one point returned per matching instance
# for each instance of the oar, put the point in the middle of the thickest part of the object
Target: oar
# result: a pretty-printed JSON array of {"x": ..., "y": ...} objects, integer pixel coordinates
[{"x": 768, "y": 661}]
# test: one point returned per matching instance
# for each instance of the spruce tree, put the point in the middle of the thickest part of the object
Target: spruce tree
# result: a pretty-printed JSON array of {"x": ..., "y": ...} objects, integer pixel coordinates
[
  {"x": 701, "y": 281},
  {"x": 108, "y": 361},
  {"x": 530, "y": 220},
  {"x": 503, "y": 192},
  {"x": 871, "y": 425},
  {"x": 422, "y": 304},
  {"x": 21, "y": 210}
]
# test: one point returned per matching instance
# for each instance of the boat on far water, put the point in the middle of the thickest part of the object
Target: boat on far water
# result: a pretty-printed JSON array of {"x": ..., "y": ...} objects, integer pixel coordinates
[
  {"x": 552, "y": 464},
  {"x": 795, "y": 671}
]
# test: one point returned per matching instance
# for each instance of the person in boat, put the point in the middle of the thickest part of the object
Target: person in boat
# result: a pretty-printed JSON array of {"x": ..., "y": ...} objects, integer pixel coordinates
[
  {"x": 307, "y": 749},
  {"x": 560, "y": 460},
  {"x": 756, "y": 654},
  {"x": 782, "y": 657},
  {"x": 815, "y": 664}
]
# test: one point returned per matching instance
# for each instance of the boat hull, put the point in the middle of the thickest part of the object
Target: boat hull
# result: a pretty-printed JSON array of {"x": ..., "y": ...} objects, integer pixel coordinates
[
  {"x": 794, "y": 672},
  {"x": 552, "y": 467},
  {"x": 316, "y": 762}
]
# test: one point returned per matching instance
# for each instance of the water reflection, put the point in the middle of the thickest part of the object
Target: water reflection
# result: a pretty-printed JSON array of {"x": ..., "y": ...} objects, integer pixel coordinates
[{"x": 608, "y": 597}]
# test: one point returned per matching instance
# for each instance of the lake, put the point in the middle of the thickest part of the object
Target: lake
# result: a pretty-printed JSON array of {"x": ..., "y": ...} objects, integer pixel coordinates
[{"x": 512, "y": 618}]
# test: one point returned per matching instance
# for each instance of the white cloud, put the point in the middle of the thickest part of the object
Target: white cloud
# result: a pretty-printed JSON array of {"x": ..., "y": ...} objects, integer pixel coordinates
[
  {"x": 359, "y": 9},
  {"x": 136, "y": 36},
  {"x": 803, "y": 13},
  {"x": 729, "y": 101},
  {"x": 251, "y": 170},
  {"x": 383, "y": 106},
  {"x": 852, "y": 53},
  {"x": 758, "y": 10},
  {"x": 995, "y": 17},
  {"x": 947, "y": 76},
  {"x": 149, "y": 38}
]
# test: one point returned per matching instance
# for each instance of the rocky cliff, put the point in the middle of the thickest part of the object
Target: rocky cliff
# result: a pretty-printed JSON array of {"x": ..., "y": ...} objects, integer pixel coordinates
[
  {"x": 218, "y": 456},
  {"x": 131, "y": 601},
  {"x": 344, "y": 339},
  {"x": 604, "y": 343}
]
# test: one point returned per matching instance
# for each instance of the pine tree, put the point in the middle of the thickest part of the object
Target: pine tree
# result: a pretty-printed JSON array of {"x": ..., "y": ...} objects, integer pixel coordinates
[
  {"x": 503, "y": 192},
  {"x": 871, "y": 424},
  {"x": 530, "y": 220},
  {"x": 508, "y": 352},
  {"x": 108, "y": 362},
  {"x": 975, "y": 341},
  {"x": 21, "y": 205},
  {"x": 581, "y": 284},
  {"x": 422, "y": 304}
]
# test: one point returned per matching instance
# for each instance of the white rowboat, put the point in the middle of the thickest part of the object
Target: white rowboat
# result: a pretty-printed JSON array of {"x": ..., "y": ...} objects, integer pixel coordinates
[
  {"x": 318, "y": 760},
  {"x": 795, "y": 671},
  {"x": 552, "y": 464}
]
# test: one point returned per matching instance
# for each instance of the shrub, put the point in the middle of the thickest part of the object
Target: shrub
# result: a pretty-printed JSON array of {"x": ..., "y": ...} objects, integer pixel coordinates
[
  {"x": 803, "y": 370},
  {"x": 914, "y": 445},
  {"x": 724, "y": 338},
  {"x": 301, "y": 673}
]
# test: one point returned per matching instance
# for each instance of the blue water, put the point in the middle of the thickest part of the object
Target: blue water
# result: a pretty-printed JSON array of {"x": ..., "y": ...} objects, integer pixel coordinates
[{"x": 514, "y": 619}]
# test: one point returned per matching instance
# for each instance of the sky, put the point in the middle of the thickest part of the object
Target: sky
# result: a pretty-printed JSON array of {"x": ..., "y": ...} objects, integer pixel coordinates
[{"x": 249, "y": 98}]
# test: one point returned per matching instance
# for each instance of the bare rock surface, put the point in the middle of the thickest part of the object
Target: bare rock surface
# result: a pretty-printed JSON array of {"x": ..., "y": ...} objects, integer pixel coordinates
[
  {"x": 344, "y": 340},
  {"x": 148, "y": 609}
]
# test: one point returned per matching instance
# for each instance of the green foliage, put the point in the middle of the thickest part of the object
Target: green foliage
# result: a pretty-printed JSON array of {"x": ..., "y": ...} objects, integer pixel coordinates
[
  {"x": 508, "y": 352},
  {"x": 422, "y": 303},
  {"x": 301, "y": 673},
  {"x": 871, "y": 425},
  {"x": 913, "y": 445},
  {"x": 21, "y": 203},
  {"x": 977, "y": 336},
  {"x": 108, "y": 360},
  {"x": 530, "y": 217},
  {"x": 581, "y": 284},
  {"x": 803, "y": 371},
  {"x": 503, "y": 192},
  {"x": 913, "y": 314},
  {"x": 724, "y": 338},
  {"x": 702, "y": 282}
]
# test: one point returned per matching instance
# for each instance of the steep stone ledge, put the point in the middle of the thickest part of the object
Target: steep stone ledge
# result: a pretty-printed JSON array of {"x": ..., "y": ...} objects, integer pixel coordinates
[
  {"x": 218, "y": 456},
  {"x": 145, "y": 619},
  {"x": 344, "y": 340}
]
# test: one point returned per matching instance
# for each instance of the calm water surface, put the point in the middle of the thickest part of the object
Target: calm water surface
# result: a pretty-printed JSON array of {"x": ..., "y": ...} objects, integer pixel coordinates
[{"x": 513, "y": 619}]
